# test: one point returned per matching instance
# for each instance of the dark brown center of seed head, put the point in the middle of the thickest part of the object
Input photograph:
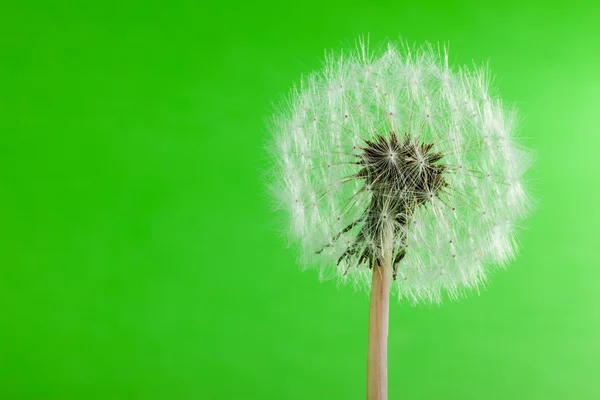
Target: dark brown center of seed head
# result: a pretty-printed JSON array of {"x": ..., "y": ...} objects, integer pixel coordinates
[
  {"x": 401, "y": 175},
  {"x": 401, "y": 171}
]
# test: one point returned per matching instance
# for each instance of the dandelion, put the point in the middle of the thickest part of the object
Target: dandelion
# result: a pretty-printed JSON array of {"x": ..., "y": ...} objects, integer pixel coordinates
[{"x": 402, "y": 174}]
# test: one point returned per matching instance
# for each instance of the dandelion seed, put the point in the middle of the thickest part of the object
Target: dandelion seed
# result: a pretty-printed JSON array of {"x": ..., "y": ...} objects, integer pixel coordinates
[{"x": 427, "y": 170}]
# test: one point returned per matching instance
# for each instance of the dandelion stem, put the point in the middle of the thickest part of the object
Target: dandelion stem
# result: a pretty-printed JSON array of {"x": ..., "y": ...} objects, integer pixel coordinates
[{"x": 378, "y": 322}]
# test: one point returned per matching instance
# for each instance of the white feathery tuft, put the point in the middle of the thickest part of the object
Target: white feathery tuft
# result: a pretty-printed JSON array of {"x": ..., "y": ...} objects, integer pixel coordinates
[{"x": 450, "y": 234}]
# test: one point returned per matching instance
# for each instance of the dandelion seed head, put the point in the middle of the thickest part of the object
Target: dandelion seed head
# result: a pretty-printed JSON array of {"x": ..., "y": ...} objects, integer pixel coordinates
[{"x": 399, "y": 141}]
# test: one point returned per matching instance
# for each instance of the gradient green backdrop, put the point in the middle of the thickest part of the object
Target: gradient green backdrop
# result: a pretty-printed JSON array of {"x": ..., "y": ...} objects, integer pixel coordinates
[{"x": 139, "y": 256}]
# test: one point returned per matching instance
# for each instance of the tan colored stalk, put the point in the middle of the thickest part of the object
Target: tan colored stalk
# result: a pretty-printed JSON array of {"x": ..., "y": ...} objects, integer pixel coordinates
[{"x": 378, "y": 322}]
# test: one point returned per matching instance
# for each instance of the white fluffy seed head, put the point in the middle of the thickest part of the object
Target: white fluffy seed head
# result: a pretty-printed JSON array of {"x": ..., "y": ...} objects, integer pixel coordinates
[{"x": 448, "y": 233}]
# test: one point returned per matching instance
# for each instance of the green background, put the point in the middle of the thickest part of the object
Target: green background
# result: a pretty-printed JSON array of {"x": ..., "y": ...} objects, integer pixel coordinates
[{"x": 139, "y": 257}]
